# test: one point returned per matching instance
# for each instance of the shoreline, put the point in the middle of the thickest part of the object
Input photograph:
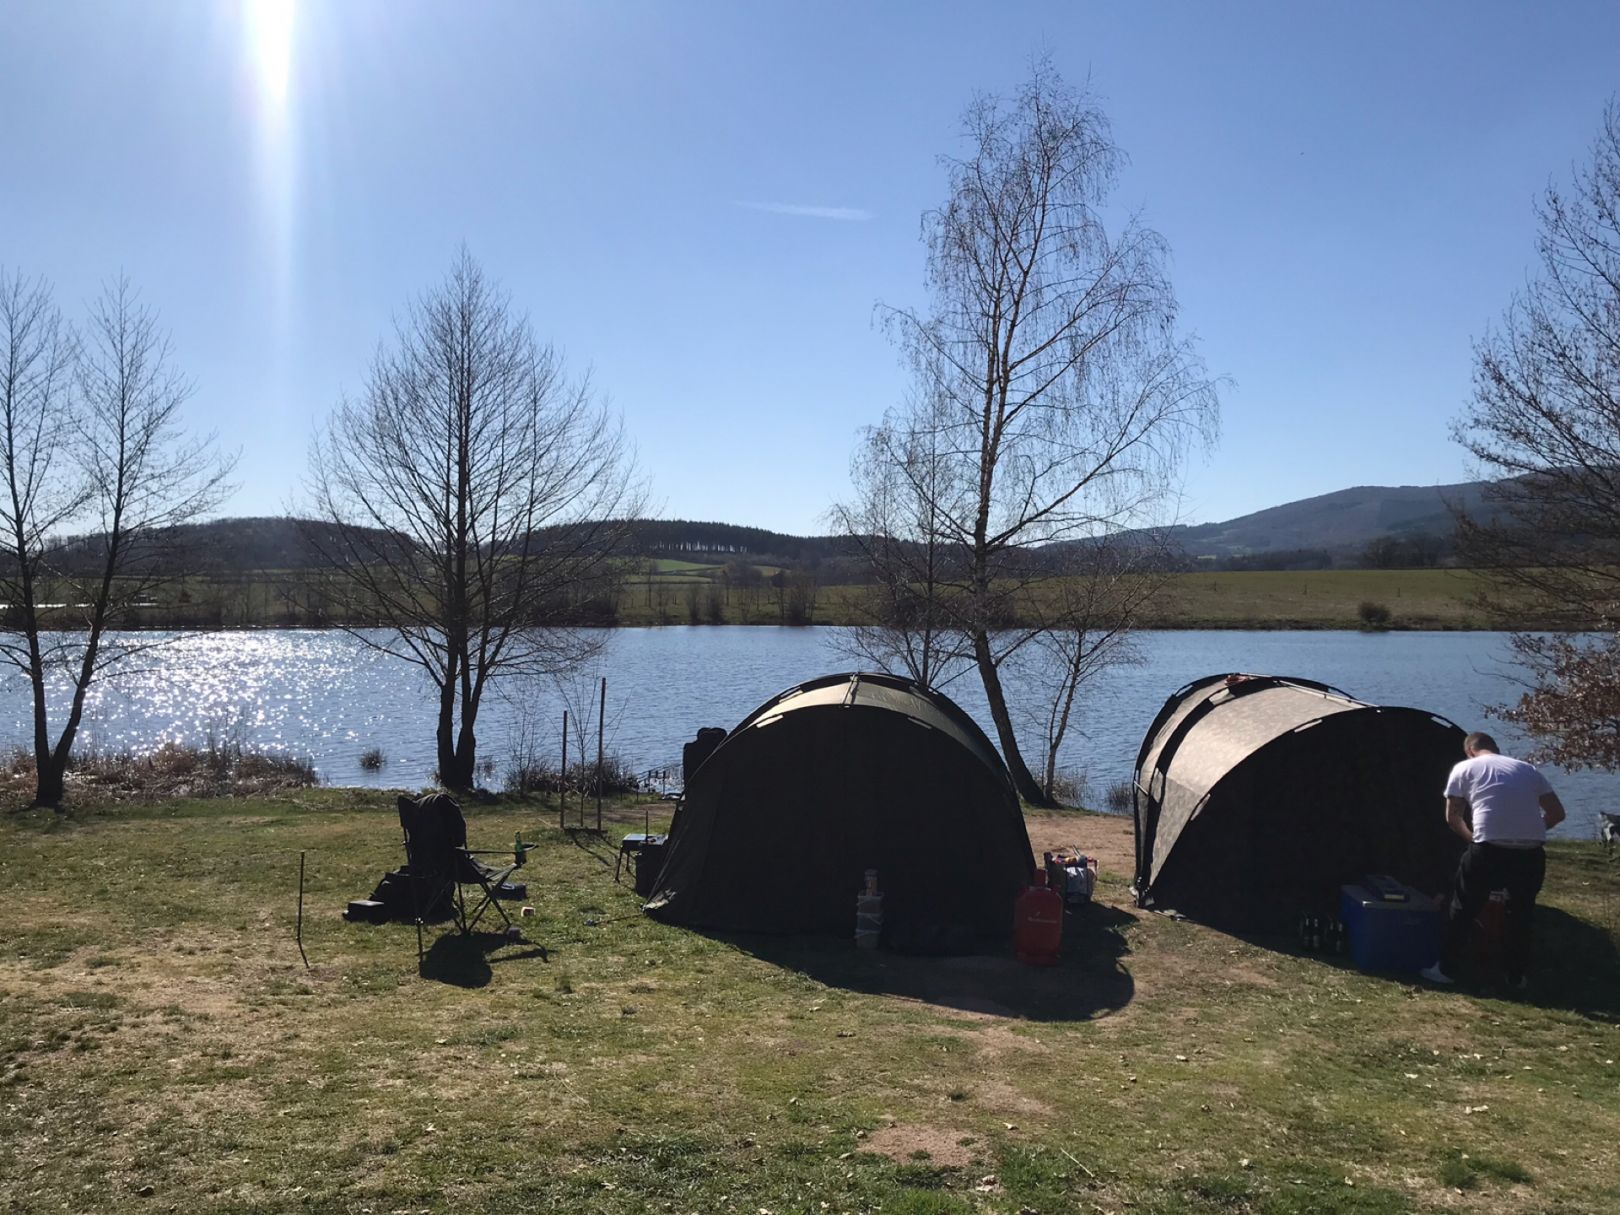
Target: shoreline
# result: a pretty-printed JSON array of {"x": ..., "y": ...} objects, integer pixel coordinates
[{"x": 1196, "y": 625}]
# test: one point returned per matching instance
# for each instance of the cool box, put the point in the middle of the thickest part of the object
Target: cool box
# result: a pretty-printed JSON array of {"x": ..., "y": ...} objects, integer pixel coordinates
[{"x": 1390, "y": 934}]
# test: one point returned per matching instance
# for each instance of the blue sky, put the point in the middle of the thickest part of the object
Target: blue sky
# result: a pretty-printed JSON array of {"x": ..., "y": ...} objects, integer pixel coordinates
[{"x": 703, "y": 202}]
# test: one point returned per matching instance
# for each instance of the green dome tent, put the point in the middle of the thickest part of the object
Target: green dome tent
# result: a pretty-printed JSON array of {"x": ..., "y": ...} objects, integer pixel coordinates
[
  {"x": 836, "y": 776},
  {"x": 1258, "y": 796}
]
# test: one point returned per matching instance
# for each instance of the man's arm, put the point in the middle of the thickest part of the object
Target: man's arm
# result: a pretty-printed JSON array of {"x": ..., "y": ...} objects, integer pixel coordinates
[
  {"x": 1457, "y": 818},
  {"x": 1552, "y": 810}
]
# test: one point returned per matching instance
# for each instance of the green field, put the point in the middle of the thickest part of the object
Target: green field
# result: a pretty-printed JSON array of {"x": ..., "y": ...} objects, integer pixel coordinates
[
  {"x": 1422, "y": 599},
  {"x": 162, "y": 1048},
  {"x": 1315, "y": 599},
  {"x": 692, "y": 592}
]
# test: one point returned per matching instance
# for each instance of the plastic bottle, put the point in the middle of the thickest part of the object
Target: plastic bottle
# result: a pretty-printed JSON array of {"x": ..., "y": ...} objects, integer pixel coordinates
[{"x": 868, "y": 913}]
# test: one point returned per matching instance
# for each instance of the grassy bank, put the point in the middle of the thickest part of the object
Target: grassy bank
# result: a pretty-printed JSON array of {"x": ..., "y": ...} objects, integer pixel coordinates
[
  {"x": 1320, "y": 599},
  {"x": 1250, "y": 599},
  {"x": 690, "y": 592},
  {"x": 164, "y": 1049}
]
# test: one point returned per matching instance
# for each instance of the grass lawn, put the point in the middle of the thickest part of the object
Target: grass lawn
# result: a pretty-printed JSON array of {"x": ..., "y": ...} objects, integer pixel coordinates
[{"x": 162, "y": 1047}]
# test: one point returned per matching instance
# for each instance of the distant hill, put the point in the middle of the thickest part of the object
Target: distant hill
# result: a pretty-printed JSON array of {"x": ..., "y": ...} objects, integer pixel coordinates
[
  {"x": 1336, "y": 528},
  {"x": 1341, "y": 524}
]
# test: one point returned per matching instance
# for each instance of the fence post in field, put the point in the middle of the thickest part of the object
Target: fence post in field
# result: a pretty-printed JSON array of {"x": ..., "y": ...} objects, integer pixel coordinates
[{"x": 601, "y": 720}]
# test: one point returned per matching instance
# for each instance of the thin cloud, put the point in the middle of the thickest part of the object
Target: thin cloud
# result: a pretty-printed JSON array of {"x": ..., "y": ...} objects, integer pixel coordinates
[{"x": 848, "y": 215}]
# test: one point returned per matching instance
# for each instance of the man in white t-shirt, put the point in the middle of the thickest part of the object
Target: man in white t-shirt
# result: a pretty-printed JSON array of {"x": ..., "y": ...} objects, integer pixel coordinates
[{"x": 1503, "y": 807}]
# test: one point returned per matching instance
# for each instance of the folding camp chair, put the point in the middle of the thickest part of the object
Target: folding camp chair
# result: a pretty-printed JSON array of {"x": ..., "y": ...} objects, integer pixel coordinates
[{"x": 440, "y": 864}]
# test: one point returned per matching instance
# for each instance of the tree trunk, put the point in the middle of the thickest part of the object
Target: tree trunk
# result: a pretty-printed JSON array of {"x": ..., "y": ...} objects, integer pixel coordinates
[
  {"x": 1028, "y": 787},
  {"x": 456, "y": 772},
  {"x": 450, "y": 772},
  {"x": 51, "y": 784},
  {"x": 467, "y": 748}
]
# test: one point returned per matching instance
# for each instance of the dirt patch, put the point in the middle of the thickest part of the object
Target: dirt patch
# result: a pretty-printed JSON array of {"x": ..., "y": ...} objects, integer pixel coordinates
[
  {"x": 907, "y": 1141},
  {"x": 1108, "y": 838},
  {"x": 1001, "y": 1096},
  {"x": 994, "y": 1040}
]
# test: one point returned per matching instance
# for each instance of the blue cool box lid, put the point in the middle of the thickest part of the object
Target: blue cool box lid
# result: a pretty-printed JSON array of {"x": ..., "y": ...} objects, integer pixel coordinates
[{"x": 1379, "y": 899}]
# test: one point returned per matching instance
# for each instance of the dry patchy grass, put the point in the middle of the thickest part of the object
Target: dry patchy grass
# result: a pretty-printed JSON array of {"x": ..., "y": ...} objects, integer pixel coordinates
[{"x": 163, "y": 1048}]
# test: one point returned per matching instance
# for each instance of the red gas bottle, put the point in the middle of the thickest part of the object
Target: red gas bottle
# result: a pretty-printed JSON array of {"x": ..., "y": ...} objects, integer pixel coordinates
[{"x": 1038, "y": 923}]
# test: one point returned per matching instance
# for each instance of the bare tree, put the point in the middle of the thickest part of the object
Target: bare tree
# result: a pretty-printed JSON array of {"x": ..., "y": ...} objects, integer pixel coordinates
[
  {"x": 1545, "y": 422},
  {"x": 472, "y": 493},
  {"x": 42, "y": 490},
  {"x": 1083, "y": 623},
  {"x": 1063, "y": 398},
  {"x": 910, "y": 623},
  {"x": 92, "y": 441}
]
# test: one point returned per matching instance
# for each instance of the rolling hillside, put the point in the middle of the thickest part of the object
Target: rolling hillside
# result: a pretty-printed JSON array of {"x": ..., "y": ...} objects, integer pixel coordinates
[
  {"x": 1343, "y": 523},
  {"x": 1338, "y": 525}
]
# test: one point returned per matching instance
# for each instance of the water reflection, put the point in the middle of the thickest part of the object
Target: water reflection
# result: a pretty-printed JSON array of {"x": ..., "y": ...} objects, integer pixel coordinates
[{"x": 324, "y": 696}]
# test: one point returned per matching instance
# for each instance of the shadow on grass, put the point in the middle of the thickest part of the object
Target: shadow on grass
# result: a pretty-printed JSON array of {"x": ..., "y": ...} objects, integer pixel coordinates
[
  {"x": 468, "y": 961},
  {"x": 1089, "y": 980},
  {"x": 1575, "y": 967},
  {"x": 593, "y": 844}
]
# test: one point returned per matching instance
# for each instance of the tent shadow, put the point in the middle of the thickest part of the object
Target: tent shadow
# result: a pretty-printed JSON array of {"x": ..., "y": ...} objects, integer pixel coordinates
[
  {"x": 1575, "y": 967},
  {"x": 467, "y": 961},
  {"x": 1090, "y": 979}
]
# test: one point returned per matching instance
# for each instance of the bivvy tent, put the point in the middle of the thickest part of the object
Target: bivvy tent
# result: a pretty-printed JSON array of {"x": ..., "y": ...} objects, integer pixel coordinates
[
  {"x": 837, "y": 776},
  {"x": 1258, "y": 796}
]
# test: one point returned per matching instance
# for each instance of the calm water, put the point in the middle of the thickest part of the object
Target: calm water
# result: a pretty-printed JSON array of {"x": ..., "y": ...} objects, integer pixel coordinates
[{"x": 320, "y": 695}]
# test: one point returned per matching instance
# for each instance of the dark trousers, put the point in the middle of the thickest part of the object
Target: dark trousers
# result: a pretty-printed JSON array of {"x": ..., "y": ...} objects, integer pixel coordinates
[{"x": 1486, "y": 868}]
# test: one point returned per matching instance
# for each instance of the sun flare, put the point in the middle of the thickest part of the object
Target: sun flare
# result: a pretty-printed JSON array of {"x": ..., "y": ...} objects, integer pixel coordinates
[{"x": 269, "y": 27}]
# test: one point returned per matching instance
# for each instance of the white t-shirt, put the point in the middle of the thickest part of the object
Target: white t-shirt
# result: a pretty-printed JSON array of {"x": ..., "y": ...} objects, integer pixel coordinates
[{"x": 1504, "y": 796}]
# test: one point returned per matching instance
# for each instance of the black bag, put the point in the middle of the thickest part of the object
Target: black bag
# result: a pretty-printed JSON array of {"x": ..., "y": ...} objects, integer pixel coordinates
[{"x": 394, "y": 893}]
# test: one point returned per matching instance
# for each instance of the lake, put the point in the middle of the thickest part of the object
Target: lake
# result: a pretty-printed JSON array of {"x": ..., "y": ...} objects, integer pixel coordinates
[{"x": 320, "y": 694}]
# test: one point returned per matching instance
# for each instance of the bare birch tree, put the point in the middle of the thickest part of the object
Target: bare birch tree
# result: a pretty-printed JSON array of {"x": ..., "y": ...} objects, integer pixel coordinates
[
  {"x": 902, "y": 496},
  {"x": 1544, "y": 422},
  {"x": 471, "y": 492},
  {"x": 42, "y": 490},
  {"x": 1082, "y": 623},
  {"x": 1066, "y": 402},
  {"x": 94, "y": 443}
]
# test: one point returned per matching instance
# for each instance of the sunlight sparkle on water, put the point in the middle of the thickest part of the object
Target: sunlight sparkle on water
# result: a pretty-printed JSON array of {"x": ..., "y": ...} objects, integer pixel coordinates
[{"x": 322, "y": 696}]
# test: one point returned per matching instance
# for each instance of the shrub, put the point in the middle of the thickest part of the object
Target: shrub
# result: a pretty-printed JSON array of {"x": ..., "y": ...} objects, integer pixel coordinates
[
  {"x": 1373, "y": 615},
  {"x": 1121, "y": 797},
  {"x": 541, "y": 776},
  {"x": 175, "y": 769},
  {"x": 1069, "y": 787},
  {"x": 372, "y": 760}
]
